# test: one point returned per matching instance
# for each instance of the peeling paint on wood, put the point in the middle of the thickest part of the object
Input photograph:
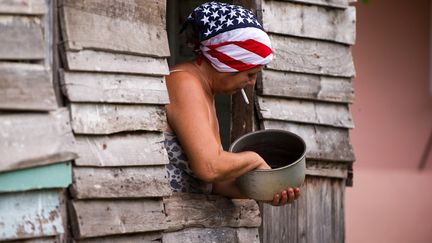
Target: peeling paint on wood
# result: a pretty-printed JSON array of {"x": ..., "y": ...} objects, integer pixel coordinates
[{"x": 30, "y": 214}]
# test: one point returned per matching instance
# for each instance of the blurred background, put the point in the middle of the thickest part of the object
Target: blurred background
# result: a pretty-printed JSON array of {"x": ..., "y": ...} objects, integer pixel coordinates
[{"x": 391, "y": 200}]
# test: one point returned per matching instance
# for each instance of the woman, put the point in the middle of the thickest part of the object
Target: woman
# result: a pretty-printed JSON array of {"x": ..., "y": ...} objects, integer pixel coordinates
[{"x": 231, "y": 50}]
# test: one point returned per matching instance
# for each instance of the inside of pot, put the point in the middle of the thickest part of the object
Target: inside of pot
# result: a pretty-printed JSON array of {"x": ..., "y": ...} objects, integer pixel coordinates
[{"x": 277, "y": 149}]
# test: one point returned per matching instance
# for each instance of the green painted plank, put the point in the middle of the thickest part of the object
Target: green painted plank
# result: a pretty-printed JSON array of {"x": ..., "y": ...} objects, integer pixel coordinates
[
  {"x": 30, "y": 214},
  {"x": 57, "y": 175}
]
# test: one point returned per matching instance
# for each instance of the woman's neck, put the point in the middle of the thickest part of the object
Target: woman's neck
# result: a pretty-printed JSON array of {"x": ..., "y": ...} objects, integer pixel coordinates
[{"x": 208, "y": 75}]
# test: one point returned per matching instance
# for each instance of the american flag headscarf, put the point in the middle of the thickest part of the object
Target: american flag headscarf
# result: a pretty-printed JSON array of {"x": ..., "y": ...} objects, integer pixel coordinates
[{"x": 231, "y": 37}]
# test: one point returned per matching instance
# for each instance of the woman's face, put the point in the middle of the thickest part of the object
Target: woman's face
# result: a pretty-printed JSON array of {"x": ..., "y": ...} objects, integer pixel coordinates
[{"x": 230, "y": 83}]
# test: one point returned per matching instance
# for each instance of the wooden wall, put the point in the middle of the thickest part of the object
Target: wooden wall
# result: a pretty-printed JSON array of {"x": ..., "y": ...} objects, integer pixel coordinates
[
  {"x": 36, "y": 140},
  {"x": 307, "y": 89},
  {"x": 114, "y": 56}
]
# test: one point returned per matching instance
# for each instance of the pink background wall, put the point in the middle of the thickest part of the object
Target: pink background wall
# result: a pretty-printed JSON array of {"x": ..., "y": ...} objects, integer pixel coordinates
[{"x": 391, "y": 200}]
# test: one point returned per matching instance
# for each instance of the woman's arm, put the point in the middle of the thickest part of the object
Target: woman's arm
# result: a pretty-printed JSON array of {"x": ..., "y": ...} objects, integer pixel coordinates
[{"x": 189, "y": 115}]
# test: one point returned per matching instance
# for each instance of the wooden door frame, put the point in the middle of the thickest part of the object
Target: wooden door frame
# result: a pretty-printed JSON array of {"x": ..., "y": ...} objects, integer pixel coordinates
[{"x": 242, "y": 116}]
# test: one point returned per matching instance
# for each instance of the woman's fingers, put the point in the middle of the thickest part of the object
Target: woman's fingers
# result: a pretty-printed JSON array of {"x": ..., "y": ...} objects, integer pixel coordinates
[
  {"x": 287, "y": 196},
  {"x": 297, "y": 193}
]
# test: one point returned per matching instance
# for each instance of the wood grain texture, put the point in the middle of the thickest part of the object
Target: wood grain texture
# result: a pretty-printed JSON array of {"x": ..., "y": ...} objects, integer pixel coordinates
[
  {"x": 91, "y": 218},
  {"x": 129, "y": 26},
  {"x": 120, "y": 182},
  {"x": 314, "y": 87},
  {"x": 32, "y": 139},
  {"x": 26, "y": 87},
  {"x": 310, "y": 21},
  {"x": 114, "y": 88},
  {"x": 30, "y": 214},
  {"x": 311, "y": 56},
  {"x": 135, "y": 149},
  {"x": 322, "y": 142},
  {"x": 149, "y": 237},
  {"x": 187, "y": 210},
  {"x": 21, "y": 38},
  {"x": 313, "y": 112},
  {"x": 199, "y": 235},
  {"x": 317, "y": 216},
  {"x": 327, "y": 169},
  {"x": 30, "y": 7},
  {"x": 113, "y": 118},
  {"x": 326, "y": 3},
  {"x": 99, "y": 61}
]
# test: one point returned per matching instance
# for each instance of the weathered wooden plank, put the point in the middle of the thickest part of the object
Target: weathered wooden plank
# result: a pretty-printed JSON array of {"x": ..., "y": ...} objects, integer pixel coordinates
[
  {"x": 90, "y": 218},
  {"x": 311, "y": 56},
  {"x": 320, "y": 113},
  {"x": 199, "y": 235},
  {"x": 326, "y": 3},
  {"x": 129, "y": 26},
  {"x": 112, "y": 118},
  {"x": 324, "y": 210},
  {"x": 121, "y": 150},
  {"x": 327, "y": 169},
  {"x": 51, "y": 239},
  {"x": 30, "y": 214},
  {"x": 317, "y": 216},
  {"x": 310, "y": 21},
  {"x": 120, "y": 182},
  {"x": 322, "y": 142},
  {"x": 114, "y": 88},
  {"x": 21, "y": 38},
  {"x": 186, "y": 210},
  {"x": 149, "y": 237},
  {"x": 315, "y": 87},
  {"x": 31, "y": 7},
  {"x": 31, "y": 139},
  {"x": 26, "y": 87},
  {"x": 57, "y": 175},
  {"x": 99, "y": 61}
]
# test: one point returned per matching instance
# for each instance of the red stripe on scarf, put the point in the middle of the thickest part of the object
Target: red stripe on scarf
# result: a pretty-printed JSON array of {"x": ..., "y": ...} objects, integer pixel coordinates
[
  {"x": 229, "y": 61},
  {"x": 250, "y": 45}
]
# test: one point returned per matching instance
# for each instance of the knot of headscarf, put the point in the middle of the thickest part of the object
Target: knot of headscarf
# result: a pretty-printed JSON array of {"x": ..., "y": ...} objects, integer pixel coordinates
[{"x": 231, "y": 37}]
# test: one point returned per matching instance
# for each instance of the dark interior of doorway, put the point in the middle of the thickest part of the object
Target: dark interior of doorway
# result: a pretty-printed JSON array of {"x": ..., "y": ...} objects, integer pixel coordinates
[{"x": 177, "y": 12}]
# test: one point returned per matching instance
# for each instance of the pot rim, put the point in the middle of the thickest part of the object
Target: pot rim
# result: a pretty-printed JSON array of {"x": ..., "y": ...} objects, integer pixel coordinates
[{"x": 302, "y": 157}]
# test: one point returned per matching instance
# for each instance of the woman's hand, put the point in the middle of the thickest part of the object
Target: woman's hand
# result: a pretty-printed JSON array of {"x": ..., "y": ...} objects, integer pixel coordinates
[{"x": 287, "y": 196}]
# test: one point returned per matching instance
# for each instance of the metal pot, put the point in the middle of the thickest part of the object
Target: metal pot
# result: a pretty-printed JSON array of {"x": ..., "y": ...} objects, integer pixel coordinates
[{"x": 284, "y": 151}]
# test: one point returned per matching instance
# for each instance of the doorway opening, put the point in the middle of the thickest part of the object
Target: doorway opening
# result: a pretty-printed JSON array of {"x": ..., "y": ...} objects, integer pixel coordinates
[{"x": 177, "y": 12}]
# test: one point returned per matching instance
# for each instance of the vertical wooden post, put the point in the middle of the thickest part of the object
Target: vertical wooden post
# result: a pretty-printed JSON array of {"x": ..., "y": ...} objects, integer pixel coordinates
[{"x": 242, "y": 118}]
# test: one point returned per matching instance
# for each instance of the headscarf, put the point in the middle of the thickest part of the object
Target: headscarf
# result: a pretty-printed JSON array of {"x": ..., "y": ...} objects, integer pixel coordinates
[{"x": 230, "y": 37}]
